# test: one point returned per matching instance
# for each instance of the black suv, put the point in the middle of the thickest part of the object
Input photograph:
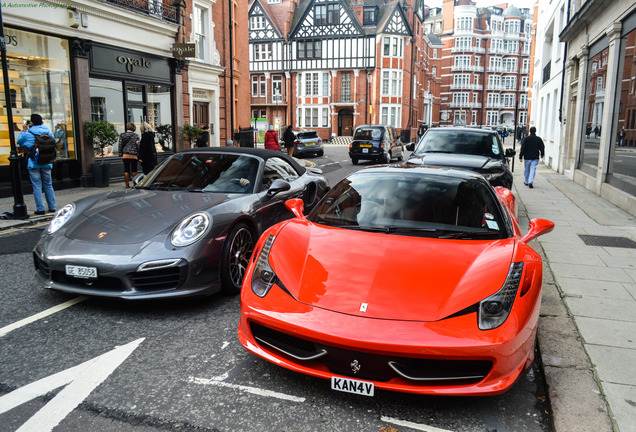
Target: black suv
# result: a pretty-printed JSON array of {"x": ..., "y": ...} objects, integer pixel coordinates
[
  {"x": 376, "y": 142},
  {"x": 474, "y": 149}
]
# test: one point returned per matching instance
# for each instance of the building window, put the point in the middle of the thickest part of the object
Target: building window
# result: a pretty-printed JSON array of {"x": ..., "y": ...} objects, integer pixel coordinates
[
  {"x": 369, "y": 16},
  {"x": 309, "y": 49},
  {"x": 258, "y": 85},
  {"x": 392, "y": 82},
  {"x": 434, "y": 52},
  {"x": 462, "y": 61},
  {"x": 345, "y": 87},
  {"x": 391, "y": 115},
  {"x": 262, "y": 51},
  {"x": 327, "y": 14},
  {"x": 311, "y": 83},
  {"x": 257, "y": 22},
  {"x": 463, "y": 43},
  {"x": 277, "y": 88},
  {"x": 325, "y": 117},
  {"x": 464, "y": 23},
  {"x": 201, "y": 29},
  {"x": 393, "y": 46}
]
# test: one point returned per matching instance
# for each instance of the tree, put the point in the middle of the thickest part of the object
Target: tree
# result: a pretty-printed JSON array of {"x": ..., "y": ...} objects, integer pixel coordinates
[{"x": 100, "y": 134}]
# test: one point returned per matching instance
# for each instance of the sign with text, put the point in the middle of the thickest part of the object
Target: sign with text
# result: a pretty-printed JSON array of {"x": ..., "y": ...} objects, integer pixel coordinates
[{"x": 183, "y": 50}]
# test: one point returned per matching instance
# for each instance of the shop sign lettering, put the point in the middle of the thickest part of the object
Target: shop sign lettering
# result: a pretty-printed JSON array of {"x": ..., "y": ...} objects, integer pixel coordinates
[
  {"x": 132, "y": 62},
  {"x": 10, "y": 40}
]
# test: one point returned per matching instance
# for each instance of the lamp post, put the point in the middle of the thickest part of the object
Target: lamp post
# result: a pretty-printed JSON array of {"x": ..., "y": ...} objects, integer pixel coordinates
[
  {"x": 369, "y": 77},
  {"x": 19, "y": 208}
]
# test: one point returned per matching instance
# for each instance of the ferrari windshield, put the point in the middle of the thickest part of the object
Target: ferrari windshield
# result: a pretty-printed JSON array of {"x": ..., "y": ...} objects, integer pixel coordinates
[
  {"x": 413, "y": 204},
  {"x": 439, "y": 140},
  {"x": 204, "y": 172}
]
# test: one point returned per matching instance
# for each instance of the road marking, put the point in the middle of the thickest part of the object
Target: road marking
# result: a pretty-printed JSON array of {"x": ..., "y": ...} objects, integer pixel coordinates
[
  {"x": 79, "y": 380},
  {"x": 219, "y": 381},
  {"x": 39, "y": 316},
  {"x": 416, "y": 426}
]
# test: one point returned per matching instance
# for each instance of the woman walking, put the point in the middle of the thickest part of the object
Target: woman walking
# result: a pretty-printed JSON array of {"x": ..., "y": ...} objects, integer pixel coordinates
[
  {"x": 128, "y": 149},
  {"x": 147, "y": 155}
]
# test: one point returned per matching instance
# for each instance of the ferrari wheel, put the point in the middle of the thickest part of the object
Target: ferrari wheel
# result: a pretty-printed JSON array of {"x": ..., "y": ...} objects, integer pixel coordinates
[{"x": 237, "y": 251}]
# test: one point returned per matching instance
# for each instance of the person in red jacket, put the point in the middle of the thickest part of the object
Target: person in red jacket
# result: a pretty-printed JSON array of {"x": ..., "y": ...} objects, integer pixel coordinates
[{"x": 271, "y": 139}]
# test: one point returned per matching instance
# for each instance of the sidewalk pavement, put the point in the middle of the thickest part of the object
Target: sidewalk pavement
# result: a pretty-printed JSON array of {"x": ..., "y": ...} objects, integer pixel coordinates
[{"x": 587, "y": 330}]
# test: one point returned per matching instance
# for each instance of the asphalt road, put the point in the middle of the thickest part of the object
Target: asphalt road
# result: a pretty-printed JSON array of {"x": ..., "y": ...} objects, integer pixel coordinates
[{"x": 94, "y": 364}]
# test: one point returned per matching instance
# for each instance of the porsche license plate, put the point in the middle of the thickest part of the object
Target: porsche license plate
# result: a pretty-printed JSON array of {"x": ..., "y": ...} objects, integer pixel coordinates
[
  {"x": 352, "y": 386},
  {"x": 309, "y": 143},
  {"x": 81, "y": 272}
]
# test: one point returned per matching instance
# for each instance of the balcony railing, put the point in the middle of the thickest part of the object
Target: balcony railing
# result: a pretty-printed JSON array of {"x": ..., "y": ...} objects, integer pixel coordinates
[
  {"x": 470, "y": 49},
  {"x": 153, "y": 8},
  {"x": 466, "y": 86},
  {"x": 470, "y": 68}
]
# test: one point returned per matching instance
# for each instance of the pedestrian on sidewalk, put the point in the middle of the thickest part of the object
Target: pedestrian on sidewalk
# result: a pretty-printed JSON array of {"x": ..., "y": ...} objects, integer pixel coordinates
[
  {"x": 39, "y": 174},
  {"x": 147, "y": 151},
  {"x": 621, "y": 137},
  {"x": 271, "y": 139},
  {"x": 204, "y": 138},
  {"x": 531, "y": 149},
  {"x": 128, "y": 150},
  {"x": 290, "y": 138}
]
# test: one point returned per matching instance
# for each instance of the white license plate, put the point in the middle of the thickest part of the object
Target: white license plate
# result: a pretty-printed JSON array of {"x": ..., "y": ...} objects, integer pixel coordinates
[
  {"x": 365, "y": 150},
  {"x": 352, "y": 386},
  {"x": 81, "y": 272}
]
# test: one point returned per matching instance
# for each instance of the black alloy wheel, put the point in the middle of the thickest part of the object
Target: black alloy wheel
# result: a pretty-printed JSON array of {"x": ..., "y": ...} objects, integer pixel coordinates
[{"x": 237, "y": 251}]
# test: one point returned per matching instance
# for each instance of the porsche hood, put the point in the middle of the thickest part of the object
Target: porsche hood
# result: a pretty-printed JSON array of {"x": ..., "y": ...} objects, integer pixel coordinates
[
  {"x": 387, "y": 276},
  {"x": 137, "y": 216}
]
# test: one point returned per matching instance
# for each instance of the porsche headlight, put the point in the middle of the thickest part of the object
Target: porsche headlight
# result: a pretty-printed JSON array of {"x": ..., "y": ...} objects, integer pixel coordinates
[
  {"x": 60, "y": 218},
  {"x": 263, "y": 277},
  {"x": 494, "y": 310},
  {"x": 190, "y": 229}
]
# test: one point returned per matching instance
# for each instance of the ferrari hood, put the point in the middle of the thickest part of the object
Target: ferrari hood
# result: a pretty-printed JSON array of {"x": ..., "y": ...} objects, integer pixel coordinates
[
  {"x": 471, "y": 162},
  {"x": 387, "y": 276},
  {"x": 135, "y": 216}
]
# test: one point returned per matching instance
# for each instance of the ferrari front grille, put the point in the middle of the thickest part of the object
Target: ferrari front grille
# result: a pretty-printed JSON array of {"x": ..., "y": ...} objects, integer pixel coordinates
[{"x": 373, "y": 366}]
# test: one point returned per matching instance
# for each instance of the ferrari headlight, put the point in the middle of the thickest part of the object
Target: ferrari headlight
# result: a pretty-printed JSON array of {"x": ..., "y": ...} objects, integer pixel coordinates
[
  {"x": 263, "y": 277},
  {"x": 494, "y": 310},
  {"x": 60, "y": 218},
  {"x": 190, "y": 229}
]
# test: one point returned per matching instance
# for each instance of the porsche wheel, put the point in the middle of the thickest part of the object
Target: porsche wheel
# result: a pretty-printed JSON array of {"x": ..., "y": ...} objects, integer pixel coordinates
[{"x": 237, "y": 251}]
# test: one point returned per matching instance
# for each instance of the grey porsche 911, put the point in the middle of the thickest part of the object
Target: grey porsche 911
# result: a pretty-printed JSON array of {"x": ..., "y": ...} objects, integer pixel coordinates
[{"x": 187, "y": 229}]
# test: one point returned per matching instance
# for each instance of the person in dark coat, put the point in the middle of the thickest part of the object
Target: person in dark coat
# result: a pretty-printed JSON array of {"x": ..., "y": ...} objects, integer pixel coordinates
[
  {"x": 203, "y": 139},
  {"x": 532, "y": 148},
  {"x": 289, "y": 137},
  {"x": 128, "y": 149},
  {"x": 271, "y": 139},
  {"x": 147, "y": 151}
]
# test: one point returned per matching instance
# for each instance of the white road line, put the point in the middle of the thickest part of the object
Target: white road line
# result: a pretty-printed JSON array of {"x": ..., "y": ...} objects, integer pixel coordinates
[
  {"x": 218, "y": 381},
  {"x": 416, "y": 426},
  {"x": 39, "y": 316},
  {"x": 79, "y": 380}
]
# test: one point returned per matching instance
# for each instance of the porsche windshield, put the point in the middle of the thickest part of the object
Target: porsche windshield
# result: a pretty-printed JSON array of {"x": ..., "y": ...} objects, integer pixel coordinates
[
  {"x": 413, "y": 204},
  {"x": 204, "y": 172},
  {"x": 467, "y": 142}
]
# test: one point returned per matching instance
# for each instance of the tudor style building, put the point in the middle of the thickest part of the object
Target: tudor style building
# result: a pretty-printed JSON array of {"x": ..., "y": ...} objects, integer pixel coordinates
[{"x": 331, "y": 65}]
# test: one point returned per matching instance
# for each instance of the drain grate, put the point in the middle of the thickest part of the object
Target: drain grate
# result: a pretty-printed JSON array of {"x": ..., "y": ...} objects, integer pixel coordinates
[{"x": 608, "y": 241}]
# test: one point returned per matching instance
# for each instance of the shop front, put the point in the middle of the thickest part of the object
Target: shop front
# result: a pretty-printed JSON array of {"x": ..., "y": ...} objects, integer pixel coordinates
[
  {"x": 40, "y": 83},
  {"x": 128, "y": 86}
]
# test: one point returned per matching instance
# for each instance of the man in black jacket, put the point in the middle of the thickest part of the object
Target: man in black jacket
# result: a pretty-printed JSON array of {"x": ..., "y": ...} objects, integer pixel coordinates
[{"x": 531, "y": 149}]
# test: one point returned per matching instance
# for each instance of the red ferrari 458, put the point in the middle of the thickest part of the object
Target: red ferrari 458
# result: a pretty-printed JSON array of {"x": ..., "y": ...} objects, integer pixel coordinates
[{"x": 408, "y": 279}]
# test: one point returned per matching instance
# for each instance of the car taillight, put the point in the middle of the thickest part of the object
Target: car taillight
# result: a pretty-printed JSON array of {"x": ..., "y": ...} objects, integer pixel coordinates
[
  {"x": 350, "y": 146},
  {"x": 319, "y": 140},
  {"x": 297, "y": 142},
  {"x": 381, "y": 146}
]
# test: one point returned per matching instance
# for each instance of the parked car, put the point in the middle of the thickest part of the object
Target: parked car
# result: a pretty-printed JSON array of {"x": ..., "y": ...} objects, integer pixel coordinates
[
  {"x": 376, "y": 142},
  {"x": 462, "y": 147},
  {"x": 188, "y": 228},
  {"x": 457, "y": 317},
  {"x": 307, "y": 142}
]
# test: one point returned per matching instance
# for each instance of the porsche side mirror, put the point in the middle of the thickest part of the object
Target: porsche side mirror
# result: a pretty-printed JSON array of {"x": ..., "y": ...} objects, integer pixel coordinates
[
  {"x": 278, "y": 186},
  {"x": 536, "y": 228},
  {"x": 314, "y": 170},
  {"x": 410, "y": 146},
  {"x": 510, "y": 152},
  {"x": 296, "y": 206}
]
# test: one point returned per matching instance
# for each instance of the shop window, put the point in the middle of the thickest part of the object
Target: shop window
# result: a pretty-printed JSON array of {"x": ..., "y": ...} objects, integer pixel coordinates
[
  {"x": 594, "y": 107},
  {"x": 39, "y": 74}
]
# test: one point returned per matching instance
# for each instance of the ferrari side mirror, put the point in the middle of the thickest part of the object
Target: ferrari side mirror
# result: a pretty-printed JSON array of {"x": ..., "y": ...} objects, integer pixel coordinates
[
  {"x": 296, "y": 206},
  {"x": 536, "y": 228}
]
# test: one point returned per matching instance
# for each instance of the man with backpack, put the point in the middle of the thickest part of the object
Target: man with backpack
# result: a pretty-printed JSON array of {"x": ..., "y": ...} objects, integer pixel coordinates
[{"x": 40, "y": 161}]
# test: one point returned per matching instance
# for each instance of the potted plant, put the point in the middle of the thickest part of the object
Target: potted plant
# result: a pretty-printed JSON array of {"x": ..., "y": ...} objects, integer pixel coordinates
[
  {"x": 191, "y": 133},
  {"x": 101, "y": 134},
  {"x": 164, "y": 134}
]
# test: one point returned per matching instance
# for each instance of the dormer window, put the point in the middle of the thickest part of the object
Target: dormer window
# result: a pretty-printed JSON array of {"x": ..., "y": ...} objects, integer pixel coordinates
[
  {"x": 327, "y": 14},
  {"x": 369, "y": 16}
]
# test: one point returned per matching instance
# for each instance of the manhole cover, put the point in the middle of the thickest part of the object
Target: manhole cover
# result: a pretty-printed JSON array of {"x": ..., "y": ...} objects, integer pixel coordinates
[{"x": 608, "y": 241}]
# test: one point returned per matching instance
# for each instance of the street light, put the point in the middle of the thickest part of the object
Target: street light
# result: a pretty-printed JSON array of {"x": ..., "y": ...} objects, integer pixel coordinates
[
  {"x": 19, "y": 208},
  {"x": 369, "y": 77}
]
